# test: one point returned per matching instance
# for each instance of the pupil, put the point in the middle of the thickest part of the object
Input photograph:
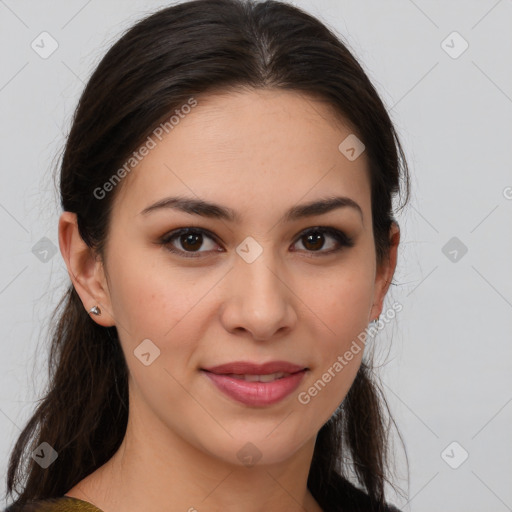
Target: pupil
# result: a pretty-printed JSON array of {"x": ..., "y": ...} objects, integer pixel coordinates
[
  {"x": 190, "y": 239},
  {"x": 310, "y": 239}
]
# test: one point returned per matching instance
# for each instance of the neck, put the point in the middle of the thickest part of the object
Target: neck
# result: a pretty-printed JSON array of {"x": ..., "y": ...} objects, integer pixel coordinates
[{"x": 158, "y": 471}]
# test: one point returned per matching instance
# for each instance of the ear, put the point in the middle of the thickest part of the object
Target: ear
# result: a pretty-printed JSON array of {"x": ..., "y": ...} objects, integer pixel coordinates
[
  {"x": 385, "y": 272},
  {"x": 85, "y": 270}
]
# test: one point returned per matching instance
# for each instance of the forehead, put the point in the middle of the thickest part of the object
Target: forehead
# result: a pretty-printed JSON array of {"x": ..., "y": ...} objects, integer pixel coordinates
[{"x": 251, "y": 150}]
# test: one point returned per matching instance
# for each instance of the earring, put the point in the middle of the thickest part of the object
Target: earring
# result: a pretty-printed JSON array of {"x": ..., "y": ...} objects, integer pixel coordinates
[{"x": 95, "y": 310}]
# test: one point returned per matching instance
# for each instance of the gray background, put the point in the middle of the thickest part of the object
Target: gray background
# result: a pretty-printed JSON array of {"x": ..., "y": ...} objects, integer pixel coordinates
[{"x": 448, "y": 352}]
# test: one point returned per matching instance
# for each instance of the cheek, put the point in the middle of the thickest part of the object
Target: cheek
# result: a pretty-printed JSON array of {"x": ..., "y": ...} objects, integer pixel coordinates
[
  {"x": 149, "y": 299},
  {"x": 167, "y": 306},
  {"x": 153, "y": 303},
  {"x": 341, "y": 300},
  {"x": 340, "y": 310}
]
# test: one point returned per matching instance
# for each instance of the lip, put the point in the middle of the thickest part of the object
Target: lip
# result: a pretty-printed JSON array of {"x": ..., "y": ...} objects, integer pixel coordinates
[
  {"x": 256, "y": 394},
  {"x": 249, "y": 368}
]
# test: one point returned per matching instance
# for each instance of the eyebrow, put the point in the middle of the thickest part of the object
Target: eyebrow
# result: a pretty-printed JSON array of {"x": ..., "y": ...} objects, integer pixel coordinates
[{"x": 206, "y": 209}]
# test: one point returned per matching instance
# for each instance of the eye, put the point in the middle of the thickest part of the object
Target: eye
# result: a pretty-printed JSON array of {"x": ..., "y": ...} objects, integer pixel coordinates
[
  {"x": 192, "y": 239},
  {"x": 314, "y": 239},
  {"x": 189, "y": 238}
]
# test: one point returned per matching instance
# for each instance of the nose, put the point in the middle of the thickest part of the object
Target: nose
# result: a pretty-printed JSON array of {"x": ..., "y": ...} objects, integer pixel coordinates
[{"x": 259, "y": 299}]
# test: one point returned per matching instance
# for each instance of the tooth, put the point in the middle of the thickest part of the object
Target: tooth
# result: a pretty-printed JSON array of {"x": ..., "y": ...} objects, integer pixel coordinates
[
  {"x": 267, "y": 378},
  {"x": 259, "y": 378},
  {"x": 264, "y": 378}
]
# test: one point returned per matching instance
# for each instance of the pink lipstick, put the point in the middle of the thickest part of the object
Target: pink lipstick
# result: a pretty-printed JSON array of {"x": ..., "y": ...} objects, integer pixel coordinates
[{"x": 255, "y": 384}]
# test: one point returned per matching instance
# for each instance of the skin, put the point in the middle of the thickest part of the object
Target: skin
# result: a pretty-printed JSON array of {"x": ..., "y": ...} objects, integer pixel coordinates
[{"x": 259, "y": 153}]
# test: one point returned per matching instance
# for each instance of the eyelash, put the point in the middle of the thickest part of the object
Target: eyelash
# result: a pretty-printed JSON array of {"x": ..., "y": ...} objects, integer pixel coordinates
[{"x": 342, "y": 239}]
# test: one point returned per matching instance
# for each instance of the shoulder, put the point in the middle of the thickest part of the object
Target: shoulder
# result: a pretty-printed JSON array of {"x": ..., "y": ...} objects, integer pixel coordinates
[
  {"x": 62, "y": 504},
  {"x": 346, "y": 497}
]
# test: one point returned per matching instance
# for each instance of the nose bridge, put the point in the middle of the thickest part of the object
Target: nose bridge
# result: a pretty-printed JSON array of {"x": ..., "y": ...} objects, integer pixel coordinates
[
  {"x": 262, "y": 299},
  {"x": 254, "y": 267}
]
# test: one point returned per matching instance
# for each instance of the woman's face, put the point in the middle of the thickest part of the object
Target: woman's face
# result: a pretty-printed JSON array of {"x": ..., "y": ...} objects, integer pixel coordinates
[{"x": 260, "y": 287}]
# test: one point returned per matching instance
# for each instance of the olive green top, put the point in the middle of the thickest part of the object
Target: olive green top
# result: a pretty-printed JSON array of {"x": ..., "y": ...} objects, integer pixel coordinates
[{"x": 62, "y": 504}]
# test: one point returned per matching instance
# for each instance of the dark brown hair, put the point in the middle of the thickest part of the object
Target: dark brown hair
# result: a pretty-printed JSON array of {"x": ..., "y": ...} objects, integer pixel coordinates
[{"x": 180, "y": 52}]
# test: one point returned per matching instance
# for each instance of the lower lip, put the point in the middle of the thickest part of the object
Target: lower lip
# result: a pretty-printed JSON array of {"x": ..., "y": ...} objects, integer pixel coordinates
[{"x": 257, "y": 393}]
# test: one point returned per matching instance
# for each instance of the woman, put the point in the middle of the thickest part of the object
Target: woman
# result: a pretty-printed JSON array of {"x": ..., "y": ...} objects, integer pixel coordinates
[{"x": 228, "y": 230}]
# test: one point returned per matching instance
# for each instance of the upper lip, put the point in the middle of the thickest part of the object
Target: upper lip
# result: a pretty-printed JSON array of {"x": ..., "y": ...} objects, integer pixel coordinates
[{"x": 248, "y": 368}]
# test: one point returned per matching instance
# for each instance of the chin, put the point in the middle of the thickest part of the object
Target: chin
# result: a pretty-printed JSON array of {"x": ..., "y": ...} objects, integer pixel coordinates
[{"x": 258, "y": 448}]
